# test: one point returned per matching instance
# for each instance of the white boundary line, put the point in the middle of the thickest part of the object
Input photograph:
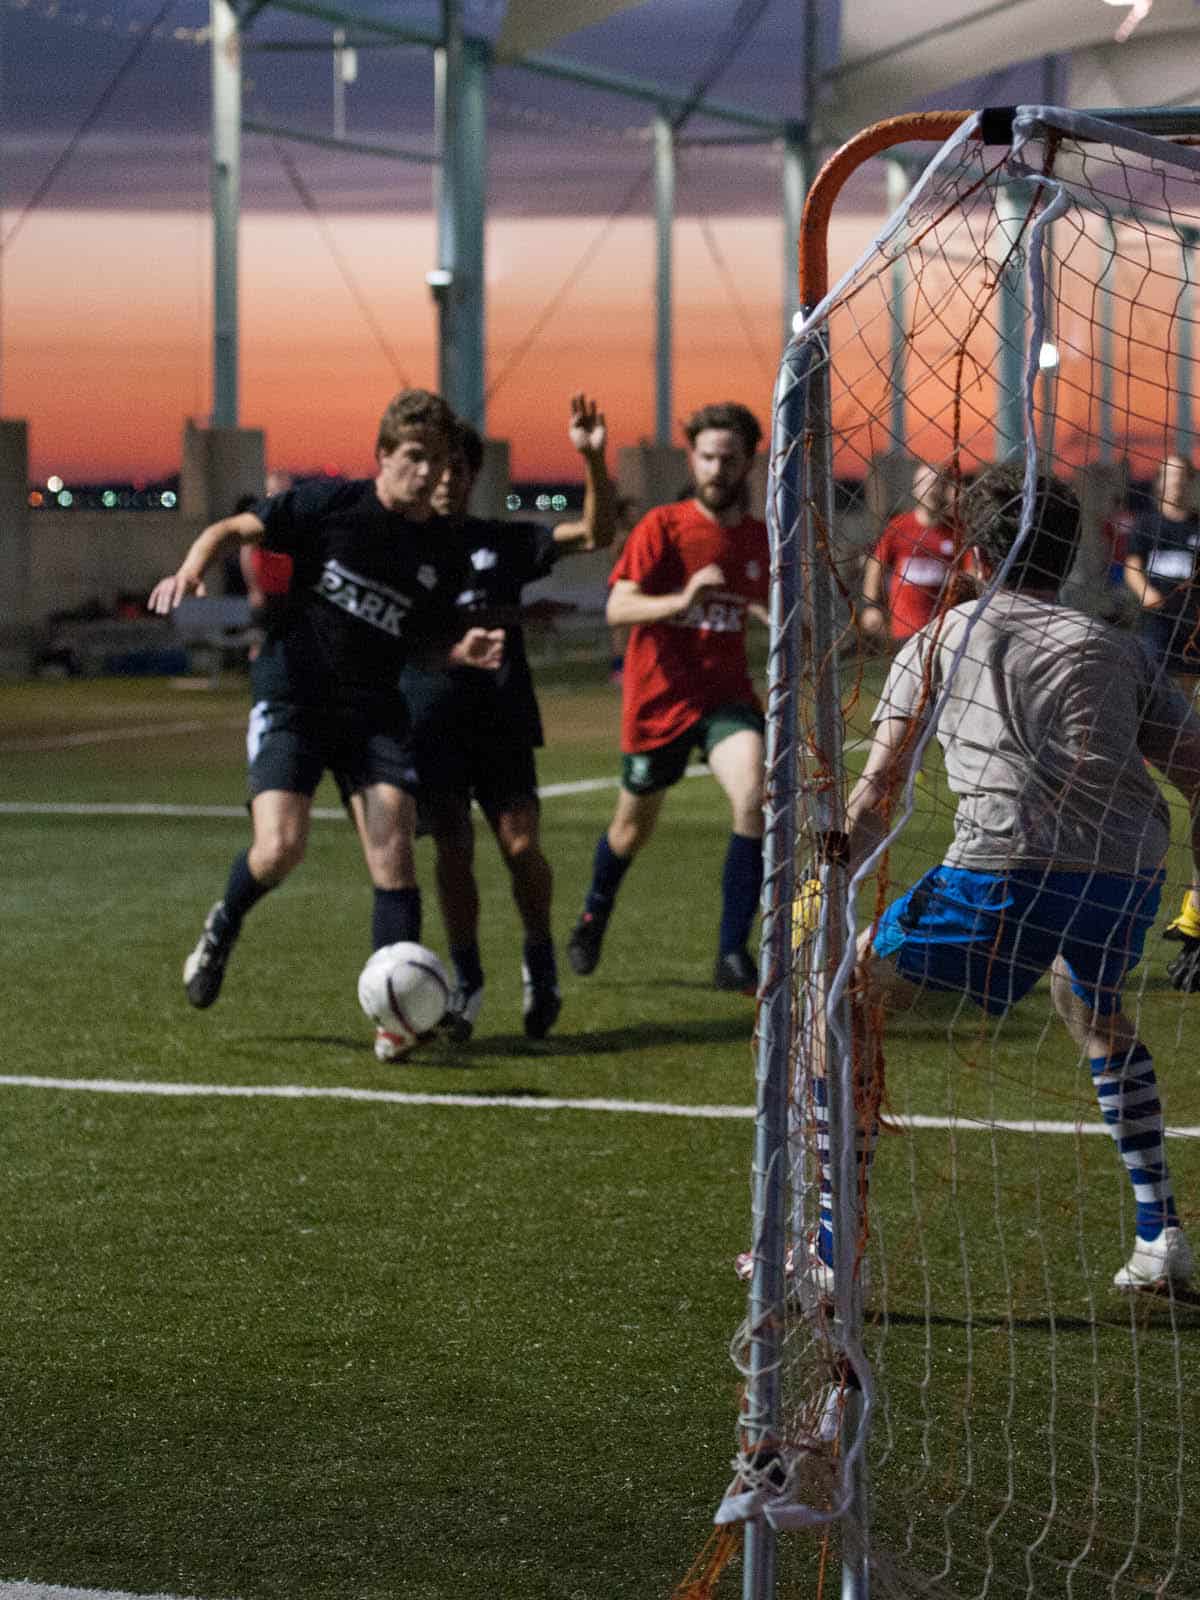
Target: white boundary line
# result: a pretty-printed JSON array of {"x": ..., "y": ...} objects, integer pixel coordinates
[
  {"x": 72, "y": 741},
  {"x": 514, "y": 1102},
  {"x": 148, "y": 808},
  {"x": 26, "y": 1589}
]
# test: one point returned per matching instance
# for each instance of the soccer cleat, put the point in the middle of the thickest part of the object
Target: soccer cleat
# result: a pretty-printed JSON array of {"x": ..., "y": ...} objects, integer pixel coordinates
[
  {"x": 736, "y": 972},
  {"x": 204, "y": 969},
  {"x": 462, "y": 1013},
  {"x": 541, "y": 1006},
  {"x": 1186, "y": 926},
  {"x": 583, "y": 947},
  {"x": 392, "y": 1046},
  {"x": 1158, "y": 1263}
]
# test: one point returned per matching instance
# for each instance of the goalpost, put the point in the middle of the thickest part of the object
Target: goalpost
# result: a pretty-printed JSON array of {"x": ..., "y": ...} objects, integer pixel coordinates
[{"x": 957, "y": 1402}]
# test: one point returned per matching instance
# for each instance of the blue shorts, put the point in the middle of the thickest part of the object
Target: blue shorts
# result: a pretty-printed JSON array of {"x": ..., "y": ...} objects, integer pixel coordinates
[{"x": 991, "y": 936}]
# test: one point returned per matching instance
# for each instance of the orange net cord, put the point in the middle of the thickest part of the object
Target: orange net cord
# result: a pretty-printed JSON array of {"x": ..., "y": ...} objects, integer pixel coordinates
[{"x": 926, "y": 126}]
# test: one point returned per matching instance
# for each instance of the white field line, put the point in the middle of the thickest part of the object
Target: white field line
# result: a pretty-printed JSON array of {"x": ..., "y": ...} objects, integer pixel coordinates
[
  {"x": 149, "y": 730},
  {"x": 25, "y": 1589},
  {"x": 513, "y": 1102},
  {"x": 138, "y": 808}
]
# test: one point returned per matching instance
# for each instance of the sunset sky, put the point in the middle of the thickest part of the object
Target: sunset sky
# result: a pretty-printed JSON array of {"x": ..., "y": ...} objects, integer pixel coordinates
[
  {"x": 105, "y": 340},
  {"x": 107, "y": 344}
]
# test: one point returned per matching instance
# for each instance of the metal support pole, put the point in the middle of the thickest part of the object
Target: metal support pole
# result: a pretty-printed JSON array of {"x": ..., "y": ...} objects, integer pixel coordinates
[
  {"x": 1010, "y": 356},
  {"x": 785, "y": 520},
  {"x": 664, "y": 217},
  {"x": 797, "y": 171},
  {"x": 897, "y": 189},
  {"x": 1105, "y": 356},
  {"x": 339, "y": 83},
  {"x": 225, "y": 188},
  {"x": 1186, "y": 313},
  {"x": 461, "y": 72}
]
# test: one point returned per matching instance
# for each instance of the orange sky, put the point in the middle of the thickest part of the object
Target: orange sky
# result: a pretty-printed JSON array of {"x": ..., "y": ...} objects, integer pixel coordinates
[{"x": 106, "y": 332}]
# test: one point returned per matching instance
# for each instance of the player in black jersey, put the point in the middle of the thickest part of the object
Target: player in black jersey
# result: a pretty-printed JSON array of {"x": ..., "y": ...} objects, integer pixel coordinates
[
  {"x": 474, "y": 734},
  {"x": 376, "y": 580}
]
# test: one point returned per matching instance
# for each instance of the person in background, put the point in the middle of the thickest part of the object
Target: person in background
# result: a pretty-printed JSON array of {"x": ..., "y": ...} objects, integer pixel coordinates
[{"x": 915, "y": 558}]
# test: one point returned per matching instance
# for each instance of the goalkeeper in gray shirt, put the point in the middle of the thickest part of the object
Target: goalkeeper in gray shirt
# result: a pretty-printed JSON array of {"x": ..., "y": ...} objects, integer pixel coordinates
[{"x": 1046, "y": 719}]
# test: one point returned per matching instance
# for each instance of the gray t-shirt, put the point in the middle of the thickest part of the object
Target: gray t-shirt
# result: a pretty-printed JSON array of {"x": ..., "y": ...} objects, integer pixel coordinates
[{"x": 1043, "y": 732}]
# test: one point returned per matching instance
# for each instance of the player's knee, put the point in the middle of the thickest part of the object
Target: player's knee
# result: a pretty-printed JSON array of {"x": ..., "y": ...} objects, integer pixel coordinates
[{"x": 276, "y": 852}]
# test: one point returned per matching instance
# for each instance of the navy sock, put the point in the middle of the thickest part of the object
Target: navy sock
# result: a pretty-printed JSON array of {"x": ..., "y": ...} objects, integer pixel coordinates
[
  {"x": 242, "y": 891},
  {"x": 468, "y": 968},
  {"x": 741, "y": 885},
  {"x": 540, "y": 963},
  {"x": 608, "y": 868},
  {"x": 396, "y": 916}
]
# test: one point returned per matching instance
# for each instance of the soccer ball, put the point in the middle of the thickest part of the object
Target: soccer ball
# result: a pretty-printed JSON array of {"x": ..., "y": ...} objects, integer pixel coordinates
[{"x": 404, "y": 989}]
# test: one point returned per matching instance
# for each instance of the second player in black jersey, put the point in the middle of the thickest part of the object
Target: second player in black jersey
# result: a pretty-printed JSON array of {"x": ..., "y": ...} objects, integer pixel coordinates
[
  {"x": 474, "y": 734},
  {"x": 377, "y": 576}
]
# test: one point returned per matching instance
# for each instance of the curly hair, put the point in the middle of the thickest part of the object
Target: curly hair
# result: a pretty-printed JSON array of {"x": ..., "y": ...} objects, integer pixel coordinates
[
  {"x": 727, "y": 414},
  {"x": 414, "y": 408},
  {"x": 990, "y": 512},
  {"x": 468, "y": 443}
]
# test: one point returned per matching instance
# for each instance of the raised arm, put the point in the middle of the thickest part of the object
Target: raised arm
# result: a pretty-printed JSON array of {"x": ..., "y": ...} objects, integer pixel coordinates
[
  {"x": 873, "y": 798},
  {"x": 871, "y": 614},
  {"x": 597, "y": 528},
  {"x": 168, "y": 592},
  {"x": 628, "y": 605},
  {"x": 1137, "y": 579}
]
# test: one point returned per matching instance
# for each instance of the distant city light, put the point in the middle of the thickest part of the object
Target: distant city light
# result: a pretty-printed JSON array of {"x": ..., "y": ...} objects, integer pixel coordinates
[
  {"x": 512, "y": 502},
  {"x": 1048, "y": 357},
  {"x": 109, "y": 499},
  {"x": 542, "y": 502},
  {"x": 36, "y": 498},
  {"x": 559, "y": 502},
  {"x": 65, "y": 498},
  {"x": 170, "y": 499},
  {"x": 54, "y": 483}
]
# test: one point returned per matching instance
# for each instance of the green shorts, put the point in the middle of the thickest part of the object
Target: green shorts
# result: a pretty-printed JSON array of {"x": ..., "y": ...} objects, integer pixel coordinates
[{"x": 651, "y": 770}]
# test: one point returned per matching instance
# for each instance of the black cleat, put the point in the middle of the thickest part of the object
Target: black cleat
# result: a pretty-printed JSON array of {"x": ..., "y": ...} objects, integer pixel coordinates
[
  {"x": 204, "y": 969},
  {"x": 583, "y": 947},
  {"x": 462, "y": 1013},
  {"x": 542, "y": 1005},
  {"x": 736, "y": 972}
]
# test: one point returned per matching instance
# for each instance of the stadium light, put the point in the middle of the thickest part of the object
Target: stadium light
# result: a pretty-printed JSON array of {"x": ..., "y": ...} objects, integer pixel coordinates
[{"x": 1048, "y": 354}]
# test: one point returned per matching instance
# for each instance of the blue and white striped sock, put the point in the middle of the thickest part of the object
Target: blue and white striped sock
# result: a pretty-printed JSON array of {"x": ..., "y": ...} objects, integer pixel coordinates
[
  {"x": 1128, "y": 1094},
  {"x": 865, "y": 1140}
]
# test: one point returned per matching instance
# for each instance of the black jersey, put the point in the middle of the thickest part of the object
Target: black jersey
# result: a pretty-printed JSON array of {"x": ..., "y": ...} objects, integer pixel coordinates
[
  {"x": 370, "y": 588},
  {"x": 502, "y": 558},
  {"x": 1169, "y": 548}
]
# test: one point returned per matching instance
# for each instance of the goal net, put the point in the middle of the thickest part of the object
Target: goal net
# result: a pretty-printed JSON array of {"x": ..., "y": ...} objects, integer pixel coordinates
[{"x": 945, "y": 1393}]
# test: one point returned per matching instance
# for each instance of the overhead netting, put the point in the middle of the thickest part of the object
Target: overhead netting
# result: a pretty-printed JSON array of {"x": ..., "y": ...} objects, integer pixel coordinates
[{"x": 945, "y": 1393}]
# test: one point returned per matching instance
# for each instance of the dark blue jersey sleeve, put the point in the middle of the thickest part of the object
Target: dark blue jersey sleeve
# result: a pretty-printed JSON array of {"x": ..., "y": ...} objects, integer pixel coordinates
[
  {"x": 291, "y": 519},
  {"x": 534, "y": 550}
]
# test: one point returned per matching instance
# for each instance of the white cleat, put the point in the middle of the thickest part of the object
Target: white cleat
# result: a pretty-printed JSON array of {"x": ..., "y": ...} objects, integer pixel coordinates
[
  {"x": 393, "y": 1046},
  {"x": 1157, "y": 1264}
]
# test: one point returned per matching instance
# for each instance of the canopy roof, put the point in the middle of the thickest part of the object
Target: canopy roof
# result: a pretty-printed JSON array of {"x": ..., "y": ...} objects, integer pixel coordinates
[{"x": 555, "y": 146}]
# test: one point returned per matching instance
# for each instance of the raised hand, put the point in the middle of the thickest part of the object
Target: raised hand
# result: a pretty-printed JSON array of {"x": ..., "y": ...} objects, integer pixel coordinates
[
  {"x": 588, "y": 430},
  {"x": 168, "y": 592}
]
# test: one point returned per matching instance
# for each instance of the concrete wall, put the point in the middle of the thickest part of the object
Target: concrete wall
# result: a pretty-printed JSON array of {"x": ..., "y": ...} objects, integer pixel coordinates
[{"x": 78, "y": 556}]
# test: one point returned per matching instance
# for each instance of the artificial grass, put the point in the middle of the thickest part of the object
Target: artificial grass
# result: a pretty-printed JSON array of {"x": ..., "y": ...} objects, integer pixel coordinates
[{"x": 311, "y": 1348}]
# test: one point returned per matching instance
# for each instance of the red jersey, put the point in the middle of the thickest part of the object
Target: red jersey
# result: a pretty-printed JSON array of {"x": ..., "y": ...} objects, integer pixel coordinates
[
  {"x": 920, "y": 560},
  {"x": 679, "y": 670},
  {"x": 272, "y": 570}
]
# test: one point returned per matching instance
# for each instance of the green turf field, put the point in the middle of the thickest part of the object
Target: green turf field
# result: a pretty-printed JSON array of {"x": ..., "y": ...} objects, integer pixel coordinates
[{"x": 282, "y": 1348}]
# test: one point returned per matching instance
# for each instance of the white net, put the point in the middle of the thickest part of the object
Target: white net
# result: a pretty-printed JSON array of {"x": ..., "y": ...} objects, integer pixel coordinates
[{"x": 946, "y": 1393}]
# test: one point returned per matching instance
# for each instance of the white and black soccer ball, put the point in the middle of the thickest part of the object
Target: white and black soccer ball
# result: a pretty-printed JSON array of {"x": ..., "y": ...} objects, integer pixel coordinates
[{"x": 404, "y": 989}]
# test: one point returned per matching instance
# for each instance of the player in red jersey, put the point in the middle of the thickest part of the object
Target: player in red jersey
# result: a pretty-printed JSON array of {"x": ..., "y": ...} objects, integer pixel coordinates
[
  {"x": 917, "y": 549},
  {"x": 683, "y": 584}
]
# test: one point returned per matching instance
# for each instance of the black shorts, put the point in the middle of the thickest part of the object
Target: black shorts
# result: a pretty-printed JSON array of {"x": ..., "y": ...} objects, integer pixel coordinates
[
  {"x": 1171, "y": 633},
  {"x": 496, "y": 773},
  {"x": 289, "y": 747}
]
